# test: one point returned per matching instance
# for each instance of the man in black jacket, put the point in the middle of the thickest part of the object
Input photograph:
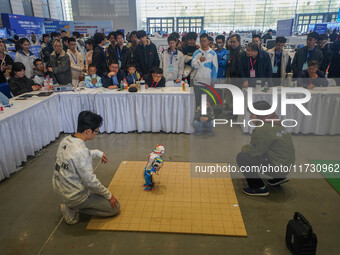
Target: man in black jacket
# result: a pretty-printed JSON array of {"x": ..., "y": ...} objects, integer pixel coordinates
[
  {"x": 98, "y": 57},
  {"x": 306, "y": 54},
  {"x": 268, "y": 36},
  {"x": 111, "y": 48},
  {"x": 113, "y": 78},
  {"x": 146, "y": 54},
  {"x": 334, "y": 67},
  {"x": 255, "y": 65},
  {"x": 326, "y": 52},
  {"x": 233, "y": 62},
  {"x": 120, "y": 54},
  {"x": 312, "y": 77},
  {"x": 19, "y": 83},
  {"x": 155, "y": 79},
  {"x": 46, "y": 48}
]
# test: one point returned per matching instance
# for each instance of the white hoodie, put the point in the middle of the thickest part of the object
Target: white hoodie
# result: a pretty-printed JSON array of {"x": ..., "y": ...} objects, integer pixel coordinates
[{"x": 73, "y": 177}]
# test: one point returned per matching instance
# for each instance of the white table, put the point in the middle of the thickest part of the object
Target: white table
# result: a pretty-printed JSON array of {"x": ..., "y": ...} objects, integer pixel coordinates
[
  {"x": 155, "y": 110},
  {"x": 25, "y": 129},
  {"x": 324, "y": 107}
]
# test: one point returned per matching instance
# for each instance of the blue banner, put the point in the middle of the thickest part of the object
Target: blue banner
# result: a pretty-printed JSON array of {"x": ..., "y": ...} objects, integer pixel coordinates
[
  {"x": 22, "y": 25},
  {"x": 57, "y": 26},
  {"x": 320, "y": 28},
  {"x": 284, "y": 27}
]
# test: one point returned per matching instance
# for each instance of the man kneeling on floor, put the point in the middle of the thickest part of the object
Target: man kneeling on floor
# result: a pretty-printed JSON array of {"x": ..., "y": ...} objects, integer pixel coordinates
[
  {"x": 271, "y": 146},
  {"x": 74, "y": 180}
]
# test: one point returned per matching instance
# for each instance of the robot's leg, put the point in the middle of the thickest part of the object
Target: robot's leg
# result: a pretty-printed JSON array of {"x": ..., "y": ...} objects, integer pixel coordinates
[
  {"x": 149, "y": 188},
  {"x": 148, "y": 181}
]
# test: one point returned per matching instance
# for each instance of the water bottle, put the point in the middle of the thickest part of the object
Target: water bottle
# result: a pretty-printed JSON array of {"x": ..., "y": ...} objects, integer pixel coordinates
[
  {"x": 266, "y": 87},
  {"x": 258, "y": 85},
  {"x": 1, "y": 107},
  {"x": 125, "y": 84},
  {"x": 51, "y": 83},
  {"x": 122, "y": 85},
  {"x": 45, "y": 85},
  {"x": 142, "y": 85}
]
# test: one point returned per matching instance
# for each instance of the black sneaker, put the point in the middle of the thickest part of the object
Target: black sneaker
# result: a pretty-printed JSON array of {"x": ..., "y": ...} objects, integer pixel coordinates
[
  {"x": 260, "y": 192},
  {"x": 277, "y": 181}
]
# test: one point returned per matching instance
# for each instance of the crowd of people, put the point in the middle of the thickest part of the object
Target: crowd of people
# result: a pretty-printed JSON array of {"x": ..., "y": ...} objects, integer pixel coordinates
[{"x": 114, "y": 58}]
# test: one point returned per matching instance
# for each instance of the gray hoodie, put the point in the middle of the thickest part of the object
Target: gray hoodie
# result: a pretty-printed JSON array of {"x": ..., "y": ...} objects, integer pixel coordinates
[{"x": 73, "y": 177}]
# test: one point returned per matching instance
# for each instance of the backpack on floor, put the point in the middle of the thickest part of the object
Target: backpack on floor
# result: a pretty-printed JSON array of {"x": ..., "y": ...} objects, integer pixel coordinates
[{"x": 300, "y": 238}]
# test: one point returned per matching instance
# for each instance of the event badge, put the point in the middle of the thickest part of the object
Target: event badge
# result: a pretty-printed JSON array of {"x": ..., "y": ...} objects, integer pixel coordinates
[
  {"x": 252, "y": 74},
  {"x": 171, "y": 68},
  {"x": 120, "y": 63},
  {"x": 305, "y": 66},
  {"x": 275, "y": 68}
]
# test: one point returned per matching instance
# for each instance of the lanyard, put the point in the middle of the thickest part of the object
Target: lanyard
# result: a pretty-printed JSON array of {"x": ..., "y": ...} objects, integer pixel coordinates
[
  {"x": 308, "y": 52},
  {"x": 252, "y": 64},
  {"x": 118, "y": 52},
  {"x": 155, "y": 85},
  {"x": 3, "y": 62},
  {"x": 172, "y": 55},
  {"x": 3, "y": 59},
  {"x": 74, "y": 59},
  {"x": 277, "y": 56}
]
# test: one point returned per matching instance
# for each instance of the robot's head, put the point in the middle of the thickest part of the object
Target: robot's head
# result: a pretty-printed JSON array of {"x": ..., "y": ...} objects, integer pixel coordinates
[{"x": 159, "y": 149}]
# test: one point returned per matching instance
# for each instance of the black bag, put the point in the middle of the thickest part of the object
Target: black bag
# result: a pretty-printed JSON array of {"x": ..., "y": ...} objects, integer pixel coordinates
[
  {"x": 300, "y": 238},
  {"x": 133, "y": 89}
]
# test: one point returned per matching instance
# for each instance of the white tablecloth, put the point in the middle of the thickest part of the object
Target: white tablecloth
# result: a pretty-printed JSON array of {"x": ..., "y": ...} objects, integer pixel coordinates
[
  {"x": 324, "y": 107},
  {"x": 155, "y": 110},
  {"x": 25, "y": 129}
]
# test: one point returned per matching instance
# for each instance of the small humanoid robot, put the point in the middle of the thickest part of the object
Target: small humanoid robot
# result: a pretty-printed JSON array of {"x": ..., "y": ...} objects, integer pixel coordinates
[{"x": 155, "y": 162}]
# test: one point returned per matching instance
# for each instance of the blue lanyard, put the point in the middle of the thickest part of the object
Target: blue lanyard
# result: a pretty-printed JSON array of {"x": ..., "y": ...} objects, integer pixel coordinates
[
  {"x": 172, "y": 55},
  {"x": 308, "y": 52},
  {"x": 75, "y": 60},
  {"x": 118, "y": 52},
  {"x": 277, "y": 56}
]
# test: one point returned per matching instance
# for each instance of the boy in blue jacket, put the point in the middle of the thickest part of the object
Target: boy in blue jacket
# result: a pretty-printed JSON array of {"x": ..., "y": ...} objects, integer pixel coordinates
[
  {"x": 223, "y": 56},
  {"x": 132, "y": 75},
  {"x": 92, "y": 80}
]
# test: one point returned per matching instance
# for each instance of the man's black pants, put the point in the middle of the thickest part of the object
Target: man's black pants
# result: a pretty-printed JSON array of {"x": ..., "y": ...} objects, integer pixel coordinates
[{"x": 243, "y": 159}]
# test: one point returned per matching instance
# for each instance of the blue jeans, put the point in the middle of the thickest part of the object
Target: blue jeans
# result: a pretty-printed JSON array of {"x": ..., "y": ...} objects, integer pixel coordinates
[{"x": 199, "y": 125}]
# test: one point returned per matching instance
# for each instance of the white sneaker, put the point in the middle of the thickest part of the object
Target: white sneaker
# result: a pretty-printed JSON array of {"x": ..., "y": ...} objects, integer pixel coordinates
[{"x": 71, "y": 216}]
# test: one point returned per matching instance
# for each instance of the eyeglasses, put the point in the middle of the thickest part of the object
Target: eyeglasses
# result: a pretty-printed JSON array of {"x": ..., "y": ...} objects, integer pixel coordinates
[{"x": 96, "y": 131}]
